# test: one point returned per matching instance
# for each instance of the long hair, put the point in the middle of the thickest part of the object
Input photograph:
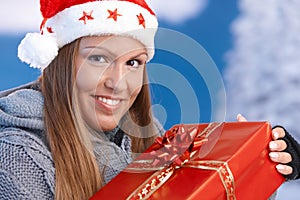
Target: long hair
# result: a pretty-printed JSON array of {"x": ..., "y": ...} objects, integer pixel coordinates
[{"x": 77, "y": 174}]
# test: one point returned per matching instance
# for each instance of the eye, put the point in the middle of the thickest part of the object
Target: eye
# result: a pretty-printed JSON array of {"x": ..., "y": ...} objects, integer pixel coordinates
[
  {"x": 97, "y": 58},
  {"x": 134, "y": 63}
]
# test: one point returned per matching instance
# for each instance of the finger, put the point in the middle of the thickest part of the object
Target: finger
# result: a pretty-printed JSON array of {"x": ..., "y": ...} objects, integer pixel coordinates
[
  {"x": 241, "y": 118},
  {"x": 278, "y": 133},
  {"x": 277, "y": 145},
  {"x": 284, "y": 169},
  {"x": 280, "y": 157}
]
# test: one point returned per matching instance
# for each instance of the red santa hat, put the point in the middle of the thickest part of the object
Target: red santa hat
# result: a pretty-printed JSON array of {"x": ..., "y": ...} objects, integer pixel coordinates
[{"x": 66, "y": 20}]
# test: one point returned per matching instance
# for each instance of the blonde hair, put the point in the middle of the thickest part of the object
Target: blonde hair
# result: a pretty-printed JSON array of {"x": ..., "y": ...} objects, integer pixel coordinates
[{"x": 77, "y": 171}]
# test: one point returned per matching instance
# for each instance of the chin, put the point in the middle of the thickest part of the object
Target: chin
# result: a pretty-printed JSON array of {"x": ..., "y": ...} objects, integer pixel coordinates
[
  {"x": 108, "y": 127},
  {"x": 106, "y": 123}
]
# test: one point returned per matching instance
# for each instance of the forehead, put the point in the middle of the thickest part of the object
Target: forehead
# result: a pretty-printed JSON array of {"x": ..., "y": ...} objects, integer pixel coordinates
[{"x": 113, "y": 43}]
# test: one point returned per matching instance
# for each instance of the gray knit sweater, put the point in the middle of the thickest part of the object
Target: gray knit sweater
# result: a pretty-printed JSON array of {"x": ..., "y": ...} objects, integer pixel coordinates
[{"x": 26, "y": 166}]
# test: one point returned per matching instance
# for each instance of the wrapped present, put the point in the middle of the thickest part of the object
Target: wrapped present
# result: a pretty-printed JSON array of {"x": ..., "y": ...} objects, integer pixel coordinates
[{"x": 201, "y": 161}]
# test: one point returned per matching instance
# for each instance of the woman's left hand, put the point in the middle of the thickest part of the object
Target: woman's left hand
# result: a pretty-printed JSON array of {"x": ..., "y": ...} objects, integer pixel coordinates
[{"x": 277, "y": 146}]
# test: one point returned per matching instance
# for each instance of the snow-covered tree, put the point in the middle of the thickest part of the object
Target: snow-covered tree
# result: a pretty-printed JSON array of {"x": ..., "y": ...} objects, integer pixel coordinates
[{"x": 263, "y": 72}]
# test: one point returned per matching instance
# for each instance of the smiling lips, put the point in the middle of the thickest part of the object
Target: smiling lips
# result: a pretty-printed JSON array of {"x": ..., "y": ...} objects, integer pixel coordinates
[{"x": 108, "y": 101}]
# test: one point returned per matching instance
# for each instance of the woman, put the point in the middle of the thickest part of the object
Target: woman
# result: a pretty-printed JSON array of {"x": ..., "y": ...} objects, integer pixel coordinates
[
  {"x": 81, "y": 117},
  {"x": 68, "y": 134}
]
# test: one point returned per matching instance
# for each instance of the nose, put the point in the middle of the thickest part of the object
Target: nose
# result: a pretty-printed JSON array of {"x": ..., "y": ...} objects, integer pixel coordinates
[{"x": 115, "y": 77}]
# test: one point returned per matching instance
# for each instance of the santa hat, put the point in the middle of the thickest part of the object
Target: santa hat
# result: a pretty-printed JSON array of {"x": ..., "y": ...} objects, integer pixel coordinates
[{"x": 66, "y": 20}]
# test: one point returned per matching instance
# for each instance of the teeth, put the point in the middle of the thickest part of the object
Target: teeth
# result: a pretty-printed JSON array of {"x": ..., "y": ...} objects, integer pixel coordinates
[{"x": 109, "y": 101}]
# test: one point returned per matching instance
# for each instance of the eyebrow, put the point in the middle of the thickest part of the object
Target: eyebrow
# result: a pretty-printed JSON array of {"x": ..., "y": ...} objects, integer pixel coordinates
[
  {"x": 101, "y": 48},
  {"x": 140, "y": 54},
  {"x": 113, "y": 54}
]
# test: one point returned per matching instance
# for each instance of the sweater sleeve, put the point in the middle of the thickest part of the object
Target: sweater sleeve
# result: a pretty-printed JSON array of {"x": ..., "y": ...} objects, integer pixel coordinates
[
  {"x": 293, "y": 148},
  {"x": 22, "y": 169},
  {"x": 10, "y": 188}
]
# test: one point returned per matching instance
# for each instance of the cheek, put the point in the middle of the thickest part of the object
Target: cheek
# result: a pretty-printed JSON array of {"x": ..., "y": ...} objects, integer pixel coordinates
[
  {"x": 135, "y": 84},
  {"x": 134, "y": 96},
  {"x": 87, "y": 77}
]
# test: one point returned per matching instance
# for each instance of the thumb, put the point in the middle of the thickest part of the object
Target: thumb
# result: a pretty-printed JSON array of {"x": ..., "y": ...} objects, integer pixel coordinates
[{"x": 241, "y": 118}]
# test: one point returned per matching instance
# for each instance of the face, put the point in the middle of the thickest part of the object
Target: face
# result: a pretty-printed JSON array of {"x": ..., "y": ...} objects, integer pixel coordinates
[{"x": 109, "y": 77}]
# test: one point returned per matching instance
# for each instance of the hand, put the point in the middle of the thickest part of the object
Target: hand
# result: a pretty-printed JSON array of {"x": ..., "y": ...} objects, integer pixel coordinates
[
  {"x": 276, "y": 155},
  {"x": 241, "y": 118},
  {"x": 276, "y": 147}
]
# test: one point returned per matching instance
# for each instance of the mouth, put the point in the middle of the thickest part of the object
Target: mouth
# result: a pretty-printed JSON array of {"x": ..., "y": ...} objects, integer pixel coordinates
[{"x": 108, "y": 101}]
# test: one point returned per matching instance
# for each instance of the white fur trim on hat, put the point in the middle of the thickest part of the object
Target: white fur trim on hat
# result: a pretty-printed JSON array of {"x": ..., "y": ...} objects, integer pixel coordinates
[{"x": 89, "y": 19}]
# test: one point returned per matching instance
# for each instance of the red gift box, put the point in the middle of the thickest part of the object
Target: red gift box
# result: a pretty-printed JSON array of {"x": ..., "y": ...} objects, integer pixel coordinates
[{"x": 201, "y": 161}]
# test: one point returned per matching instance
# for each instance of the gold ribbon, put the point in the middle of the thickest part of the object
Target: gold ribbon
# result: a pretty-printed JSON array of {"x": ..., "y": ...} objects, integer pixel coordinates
[
  {"x": 223, "y": 170},
  {"x": 180, "y": 148}
]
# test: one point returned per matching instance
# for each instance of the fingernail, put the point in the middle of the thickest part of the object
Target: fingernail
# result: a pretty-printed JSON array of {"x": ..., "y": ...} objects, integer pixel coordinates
[
  {"x": 275, "y": 134},
  {"x": 279, "y": 167},
  {"x": 273, "y": 145},
  {"x": 273, "y": 155}
]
